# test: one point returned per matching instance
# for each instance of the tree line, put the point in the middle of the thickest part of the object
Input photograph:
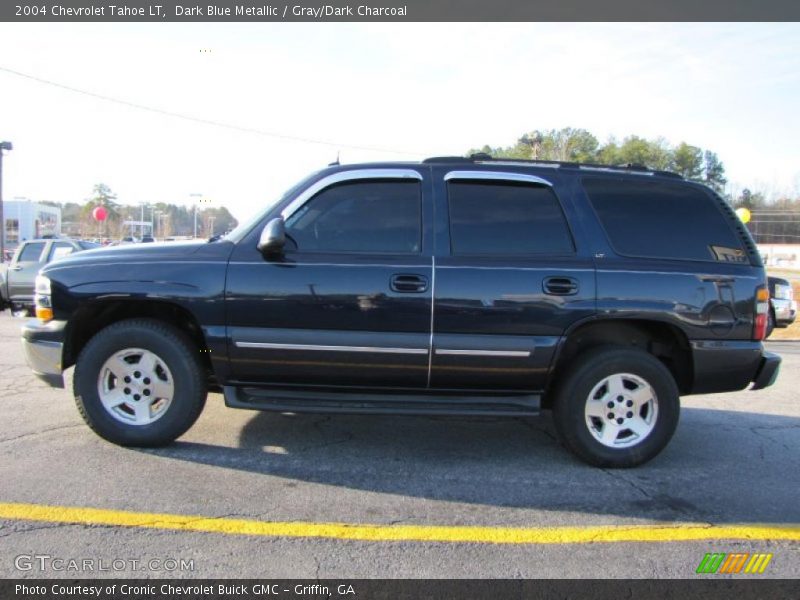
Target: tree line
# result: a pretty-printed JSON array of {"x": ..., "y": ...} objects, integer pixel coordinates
[
  {"x": 168, "y": 219},
  {"x": 773, "y": 221},
  {"x": 579, "y": 145}
]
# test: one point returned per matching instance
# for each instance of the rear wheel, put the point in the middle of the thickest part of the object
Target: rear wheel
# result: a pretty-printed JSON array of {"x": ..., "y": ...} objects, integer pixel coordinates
[
  {"x": 139, "y": 383},
  {"x": 616, "y": 407}
]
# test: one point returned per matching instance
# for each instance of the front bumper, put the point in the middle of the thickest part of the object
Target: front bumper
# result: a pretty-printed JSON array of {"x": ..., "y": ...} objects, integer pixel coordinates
[
  {"x": 43, "y": 345},
  {"x": 785, "y": 311}
]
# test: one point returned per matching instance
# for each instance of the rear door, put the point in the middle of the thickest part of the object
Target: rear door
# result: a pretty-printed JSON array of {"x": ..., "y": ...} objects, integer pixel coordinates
[
  {"x": 22, "y": 272},
  {"x": 349, "y": 301},
  {"x": 509, "y": 279}
]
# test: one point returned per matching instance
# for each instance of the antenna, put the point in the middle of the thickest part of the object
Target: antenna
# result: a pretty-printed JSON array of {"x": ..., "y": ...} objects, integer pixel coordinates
[{"x": 336, "y": 162}]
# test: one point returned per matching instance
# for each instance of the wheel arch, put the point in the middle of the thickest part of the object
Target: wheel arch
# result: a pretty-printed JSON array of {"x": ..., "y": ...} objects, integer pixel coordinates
[
  {"x": 665, "y": 341},
  {"x": 88, "y": 320}
]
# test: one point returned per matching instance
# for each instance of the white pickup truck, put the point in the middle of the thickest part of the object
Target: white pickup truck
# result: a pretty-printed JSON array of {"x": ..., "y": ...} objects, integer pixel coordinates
[{"x": 17, "y": 277}]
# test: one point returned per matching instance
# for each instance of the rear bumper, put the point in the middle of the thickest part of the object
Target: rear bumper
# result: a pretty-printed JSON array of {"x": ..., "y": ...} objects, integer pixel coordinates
[
  {"x": 43, "y": 345},
  {"x": 767, "y": 371},
  {"x": 727, "y": 366}
]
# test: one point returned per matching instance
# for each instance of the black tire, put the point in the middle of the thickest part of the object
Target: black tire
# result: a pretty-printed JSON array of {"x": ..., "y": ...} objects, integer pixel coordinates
[
  {"x": 590, "y": 369},
  {"x": 179, "y": 355}
]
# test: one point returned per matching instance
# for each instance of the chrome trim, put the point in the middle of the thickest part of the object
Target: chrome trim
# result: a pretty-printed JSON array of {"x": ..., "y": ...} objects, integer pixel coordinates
[
  {"x": 615, "y": 170},
  {"x": 276, "y": 346},
  {"x": 519, "y": 163},
  {"x": 320, "y": 264},
  {"x": 447, "y": 352},
  {"x": 497, "y": 176},
  {"x": 502, "y": 268},
  {"x": 320, "y": 185},
  {"x": 433, "y": 304}
]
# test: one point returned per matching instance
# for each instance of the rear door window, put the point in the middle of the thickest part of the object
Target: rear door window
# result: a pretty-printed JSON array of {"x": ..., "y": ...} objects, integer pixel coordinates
[
  {"x": 505, "y": 218},
  {"x": 59, "y": 249},
  {"x": 662, "y": 220}
]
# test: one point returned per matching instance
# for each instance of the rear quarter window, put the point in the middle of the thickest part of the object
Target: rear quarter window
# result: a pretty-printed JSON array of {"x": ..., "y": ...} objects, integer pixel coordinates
[{"x": 653, "y": 219}]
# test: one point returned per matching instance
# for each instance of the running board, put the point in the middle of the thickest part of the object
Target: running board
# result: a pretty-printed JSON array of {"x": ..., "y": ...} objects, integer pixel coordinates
[{"x": 523, "y": 405}]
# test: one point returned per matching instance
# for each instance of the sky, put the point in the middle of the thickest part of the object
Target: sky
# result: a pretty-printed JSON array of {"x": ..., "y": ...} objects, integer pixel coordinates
[{"x": 375, "y": 92}]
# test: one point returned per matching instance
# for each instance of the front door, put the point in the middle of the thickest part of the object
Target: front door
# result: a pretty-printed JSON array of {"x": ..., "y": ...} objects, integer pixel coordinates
[
  {"x": 22, "y": 273},
  {"x": 348, "y": 303}
]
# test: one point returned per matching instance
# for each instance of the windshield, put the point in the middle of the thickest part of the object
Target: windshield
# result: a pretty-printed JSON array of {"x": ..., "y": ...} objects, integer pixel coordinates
[{"x": 243, "y": 228}]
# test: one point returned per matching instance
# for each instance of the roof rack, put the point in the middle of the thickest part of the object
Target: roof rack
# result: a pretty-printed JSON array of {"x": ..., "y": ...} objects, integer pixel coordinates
[{"x": 484, "y": 157}]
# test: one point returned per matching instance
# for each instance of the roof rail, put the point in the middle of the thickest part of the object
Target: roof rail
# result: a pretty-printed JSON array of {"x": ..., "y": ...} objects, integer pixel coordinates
[{"x": 484, "y": 157}]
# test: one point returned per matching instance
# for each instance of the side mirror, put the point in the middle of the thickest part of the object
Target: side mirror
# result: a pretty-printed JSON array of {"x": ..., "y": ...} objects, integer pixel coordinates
[{"x": 273, "y": 237}]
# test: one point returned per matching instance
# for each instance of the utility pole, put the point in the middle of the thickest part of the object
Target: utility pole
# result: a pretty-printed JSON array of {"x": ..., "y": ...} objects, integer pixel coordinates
[{"x": 3, "y": 146}]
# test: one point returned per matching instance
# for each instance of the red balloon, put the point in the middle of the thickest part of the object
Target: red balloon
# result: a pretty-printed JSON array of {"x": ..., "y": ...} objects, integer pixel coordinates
[{"x": 100, "y": 213}]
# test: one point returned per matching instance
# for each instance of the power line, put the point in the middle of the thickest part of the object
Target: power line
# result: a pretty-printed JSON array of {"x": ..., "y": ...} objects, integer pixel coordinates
[{"x": 169, "y": 113}]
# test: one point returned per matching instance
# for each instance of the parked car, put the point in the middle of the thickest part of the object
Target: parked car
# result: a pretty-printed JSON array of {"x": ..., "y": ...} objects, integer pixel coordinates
[
  {"x": 783, "y": 307},
  {"x": 454, "y": 286},
  {"x": 17, "y": 277},
  {"x": 147, "y": 239}
]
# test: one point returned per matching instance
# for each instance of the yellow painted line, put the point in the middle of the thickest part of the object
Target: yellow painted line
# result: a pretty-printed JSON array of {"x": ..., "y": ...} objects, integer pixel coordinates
[{"x": 666, "y": 532}]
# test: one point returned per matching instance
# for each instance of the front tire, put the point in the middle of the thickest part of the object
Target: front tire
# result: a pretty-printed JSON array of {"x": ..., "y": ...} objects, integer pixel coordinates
[
  {"x": 616, "y": 407},
  {"x": 139, "y": 383}
]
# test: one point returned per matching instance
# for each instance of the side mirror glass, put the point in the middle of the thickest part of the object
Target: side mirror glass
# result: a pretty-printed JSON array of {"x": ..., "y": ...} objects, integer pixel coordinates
[{"x": 273, "y": 237}]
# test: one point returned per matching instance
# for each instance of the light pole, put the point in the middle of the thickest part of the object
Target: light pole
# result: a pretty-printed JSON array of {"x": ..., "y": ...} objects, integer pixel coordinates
[
  {"x": 157, "y": 215},
  {"x": 195, "y": 211},
  {"x": 3, "y": 146}
]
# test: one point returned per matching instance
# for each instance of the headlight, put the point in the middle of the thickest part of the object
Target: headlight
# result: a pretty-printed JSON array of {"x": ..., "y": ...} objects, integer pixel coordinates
[
  {"x": 783, "y": 292},
  {"x": 42, "y": 285},
  {"x": 44, "y": 306}
]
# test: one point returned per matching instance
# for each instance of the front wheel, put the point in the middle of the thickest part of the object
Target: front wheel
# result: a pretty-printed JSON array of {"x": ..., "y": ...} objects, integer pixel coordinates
[
  {"x": 139, "y": 383},
  {"x": 616, "y": 407}
]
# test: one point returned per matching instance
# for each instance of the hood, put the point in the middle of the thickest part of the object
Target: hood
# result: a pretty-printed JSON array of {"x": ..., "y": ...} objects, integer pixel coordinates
[{"x": 156, "y": 252}]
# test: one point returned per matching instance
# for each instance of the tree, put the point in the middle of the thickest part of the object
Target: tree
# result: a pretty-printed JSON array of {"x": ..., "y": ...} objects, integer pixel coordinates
[
  {"x": 714, "y": 172},
  {"x": 688, "y": 161},
  {"x": 102, "y": 196},
  {"x": 578, "y": 145},
  {"x": 654, "y": 154}
]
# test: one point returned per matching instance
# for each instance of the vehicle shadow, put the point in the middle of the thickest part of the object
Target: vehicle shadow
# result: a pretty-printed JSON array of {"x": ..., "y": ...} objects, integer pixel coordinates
[{"x": 721, "y": 466}]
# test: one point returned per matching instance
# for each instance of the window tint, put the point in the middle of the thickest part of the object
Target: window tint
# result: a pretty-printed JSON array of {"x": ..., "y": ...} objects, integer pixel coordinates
[
  {"x": 59, "y": 249},
  {"x": 31, "y": 252},
  {"x": 374, "y": 216},
  {"x": 661, "y": 220},
  {"x": 506, "y": 218}
]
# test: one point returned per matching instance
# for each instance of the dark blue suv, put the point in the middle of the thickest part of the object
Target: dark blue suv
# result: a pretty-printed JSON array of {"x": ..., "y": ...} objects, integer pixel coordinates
[{"x": 454, "y": 286}]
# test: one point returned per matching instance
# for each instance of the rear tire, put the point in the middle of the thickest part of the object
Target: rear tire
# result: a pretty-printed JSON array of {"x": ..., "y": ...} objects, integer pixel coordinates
[
  {"x": 616, "y": 407},
  {"x": 139, "y": 383}
]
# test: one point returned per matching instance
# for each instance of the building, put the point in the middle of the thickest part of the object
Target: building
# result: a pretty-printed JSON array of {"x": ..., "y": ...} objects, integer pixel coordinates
[{"x": 27, "y": 220}]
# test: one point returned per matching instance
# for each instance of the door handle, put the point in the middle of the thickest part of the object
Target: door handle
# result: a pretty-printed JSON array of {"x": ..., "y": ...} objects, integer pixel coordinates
[
  {"x": 15, "y": 268},
  {"x": 409, "y": 284},
  {"x": 560, "y": 286}
]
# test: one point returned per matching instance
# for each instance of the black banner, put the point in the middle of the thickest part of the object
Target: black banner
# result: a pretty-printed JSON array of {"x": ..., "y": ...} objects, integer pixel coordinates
[
  {"x": 415, "y": 589},
  {"x": 398, "y": 10}
]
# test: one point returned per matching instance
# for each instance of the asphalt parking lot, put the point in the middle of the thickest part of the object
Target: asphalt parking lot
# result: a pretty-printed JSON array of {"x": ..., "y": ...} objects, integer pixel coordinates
[{"x": 733, "y": 463}]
